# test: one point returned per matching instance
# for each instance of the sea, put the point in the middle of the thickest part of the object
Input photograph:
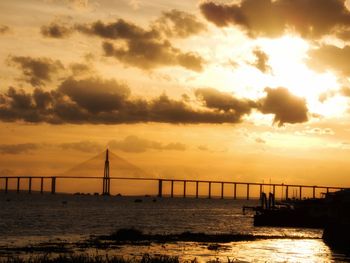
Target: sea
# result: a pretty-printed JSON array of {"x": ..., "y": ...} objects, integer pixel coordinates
[{"x": 30, "y": 219}]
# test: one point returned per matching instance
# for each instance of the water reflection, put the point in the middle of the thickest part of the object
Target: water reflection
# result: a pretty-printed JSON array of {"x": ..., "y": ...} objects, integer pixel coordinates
[{"x": 277, "y": 250}]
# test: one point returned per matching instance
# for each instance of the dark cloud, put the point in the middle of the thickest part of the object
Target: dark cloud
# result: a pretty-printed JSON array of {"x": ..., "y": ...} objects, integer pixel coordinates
[
  {"x": 36, "y": 71},
  {"x": 286, "y": 107},
  {"x": 98, "y": 101},
  {"x": 83, "y": 146},
  {"x": 56, "y": 30},
  {"x": 144, "y": 48},
  {"x": 329, "y": 57},
  {"x": 261, "y": 62},
  {"x": 17, "y": 148},
  {"x": 152, "y": 54},
  {"x": 175, "y": 23},
  {"x": 4, "y": 29},
  {"x": 137, "y": 145},
  {"x": 80, "y": 69},
  {"x": 309, "y": 18},
  {"x": 213, "y": 98},
  {"x": 96, "y": 95}
]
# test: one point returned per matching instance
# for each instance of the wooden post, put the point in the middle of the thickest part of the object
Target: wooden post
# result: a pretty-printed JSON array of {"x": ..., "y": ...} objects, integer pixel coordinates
[
  {"x": 197, "y": 189},
  {"x": 247, "y": 191},
  {"x": 53, "y": 185},
  {"x": 6, "y": 184},
  {"x": 235, "y": 191},
  {"x": 286, "y": 192},
  {"x": 209, "y": 195},
  {"x": 30, "y": 185},
  {"x": 172, "y": 189},
  {"x": 18, "y": 184},
  {"x": 160, "y": 188},
  {"x": 222, "y": 190},
  {"x": 184, "y": 189},
  {"x": 314, "y": 192},
  {"x": 42, "y": 185},
  {"x": 300, "y": 192}
]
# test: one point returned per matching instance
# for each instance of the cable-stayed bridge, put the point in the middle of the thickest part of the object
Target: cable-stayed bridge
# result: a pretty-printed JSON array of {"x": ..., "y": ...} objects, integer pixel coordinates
[{"x": 87, "y": 175}]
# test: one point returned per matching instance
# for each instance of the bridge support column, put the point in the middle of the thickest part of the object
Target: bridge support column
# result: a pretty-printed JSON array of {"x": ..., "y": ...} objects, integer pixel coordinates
[
  {"x": 274, "y": 190},
  {"x": 209, "y": 190},
  {"x": 53, "y": 185},
  {"x": 260, "y": 190},
  {"x": 160, "y": 188},
  {"x": 184, "y": 195},
  {"x": 6, "y": 184},
  {"x": 327, "y": 189},
  {"x": 197, "y": 189},
  {"x": 314, "y": 192},
  {"x": 30, "y": 185},
  {"x": 18, "y": 183},
  {"x": 247, "y": 191},
  {"x": 286, "y": 192},
  {"x": 172, "y": 189},
  {"x": 222, "y": 190},
  {"x": 235, "y": 191},
  {"x": 300, "y": 193},
  {"x": 41, "y": 185}
]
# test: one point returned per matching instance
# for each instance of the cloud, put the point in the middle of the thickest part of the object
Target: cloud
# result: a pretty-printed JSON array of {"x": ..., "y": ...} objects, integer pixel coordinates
[
  {"x": 36, "y": 71},
  {"x": 137, "y": 145},
  {"x": 56, "y": 30},
  {"x": 260, "y": 140},
  {"x": 145, "y": 48},
  {"x": 329, "y": 57},
  {"x": 286, "y": 107},
  {"x": 213, "y": 98},
  {"x": 150, "y": 54},
  {"x": 309, "y": 18},
  {"x": 98, "y": 101},
  {"x": 4, "y": 29},
  {"x": 175, "y": 23},
  {"x": 261, "y": 62},
  {"x": 83, "y": 146},
  {"x": 17, "y": 148}
]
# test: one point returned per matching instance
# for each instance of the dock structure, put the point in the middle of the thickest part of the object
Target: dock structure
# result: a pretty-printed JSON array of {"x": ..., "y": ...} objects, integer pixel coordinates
[{"x": 246, "y": 188}]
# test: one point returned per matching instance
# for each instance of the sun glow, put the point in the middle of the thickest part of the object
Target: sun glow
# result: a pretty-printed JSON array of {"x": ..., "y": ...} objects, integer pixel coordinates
[{"x": 288, "y": 62}]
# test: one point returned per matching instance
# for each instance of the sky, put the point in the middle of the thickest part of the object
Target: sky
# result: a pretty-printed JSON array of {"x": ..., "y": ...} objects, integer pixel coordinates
[{"x": 250, "y": 90}]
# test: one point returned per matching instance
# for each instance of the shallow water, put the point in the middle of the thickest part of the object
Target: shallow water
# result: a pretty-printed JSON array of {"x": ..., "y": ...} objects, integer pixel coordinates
[{"x": 30, "y": 219}]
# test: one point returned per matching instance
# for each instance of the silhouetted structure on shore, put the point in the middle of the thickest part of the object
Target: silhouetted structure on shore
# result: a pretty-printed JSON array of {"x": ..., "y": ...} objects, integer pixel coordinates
[{"x": 106, "y": 180}]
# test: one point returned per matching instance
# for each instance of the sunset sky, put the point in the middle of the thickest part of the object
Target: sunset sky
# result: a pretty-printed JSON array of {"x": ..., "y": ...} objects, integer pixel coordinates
[{"x": 251, "y": 90}]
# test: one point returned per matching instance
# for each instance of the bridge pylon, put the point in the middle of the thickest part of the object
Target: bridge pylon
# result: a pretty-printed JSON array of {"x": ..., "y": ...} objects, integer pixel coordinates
[{"x": 106, "y": 180}]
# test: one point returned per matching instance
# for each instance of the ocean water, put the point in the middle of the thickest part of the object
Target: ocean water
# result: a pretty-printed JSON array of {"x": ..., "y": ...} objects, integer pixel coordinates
[{"x": 27, "y": 219}]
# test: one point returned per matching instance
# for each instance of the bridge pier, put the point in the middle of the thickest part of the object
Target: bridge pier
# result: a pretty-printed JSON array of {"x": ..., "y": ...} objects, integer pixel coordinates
[
  {"x": 197, "y": 183},
  {"x": 260, "y": 189},
  {"x": 184, "y": 195},
  {"x": 18, "y": 184},
  {"x": 53, "y": 185},
  {"x": 300, "y": 193},
  {"x": 286, "y": 192},
  {"x": 234, "y": 191},
  {"x": 247, "y": 191},
  {"x": 30, "y": 185},
  {"x": 274, "y": 190},
  {"x": 6, "y": 184},
  {"x": 172, "y": 189},
  {"x": 314, "y": 192},
  {"x": 41, "y": 185},
  {"x": 209, "y": 190},
  {"x": 222, "y": 190},
  {"x": 160, "y": 188}
]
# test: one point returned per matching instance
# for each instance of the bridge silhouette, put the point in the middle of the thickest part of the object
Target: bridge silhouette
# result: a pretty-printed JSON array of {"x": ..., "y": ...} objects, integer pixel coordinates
[{"x": 297, "y": 189}]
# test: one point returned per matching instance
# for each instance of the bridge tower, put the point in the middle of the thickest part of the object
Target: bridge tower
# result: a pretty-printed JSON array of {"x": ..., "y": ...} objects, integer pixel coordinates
[{"x": 106, "y": 179}]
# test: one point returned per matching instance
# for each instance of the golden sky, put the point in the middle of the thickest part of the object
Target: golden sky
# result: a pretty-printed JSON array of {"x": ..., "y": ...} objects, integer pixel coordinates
[{"x": 251, "y": 90}]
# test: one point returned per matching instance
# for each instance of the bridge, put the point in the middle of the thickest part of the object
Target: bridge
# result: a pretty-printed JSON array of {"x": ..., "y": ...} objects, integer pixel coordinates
[{"x": 160, "y": 189}]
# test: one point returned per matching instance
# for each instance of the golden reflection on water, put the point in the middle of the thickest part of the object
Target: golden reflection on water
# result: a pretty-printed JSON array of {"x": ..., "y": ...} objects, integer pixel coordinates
[{"x": 273, "y": 250}]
